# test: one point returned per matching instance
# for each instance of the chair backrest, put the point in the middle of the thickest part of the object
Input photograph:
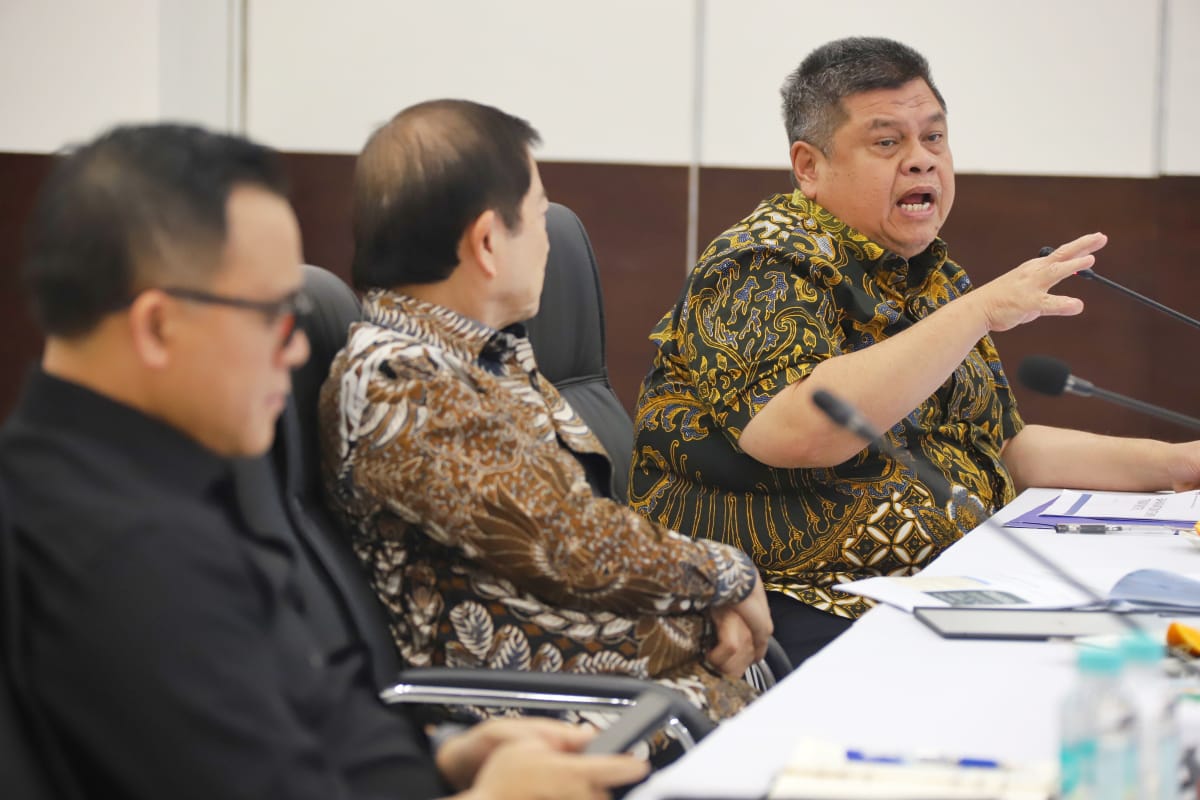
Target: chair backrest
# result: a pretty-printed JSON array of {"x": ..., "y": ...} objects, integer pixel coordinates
[
  {"x": 335, "y": 309},
  {"x": 568, "y": 339},
  {"x": 297, "y": 454},
  {"x": 31, "y": 762}
]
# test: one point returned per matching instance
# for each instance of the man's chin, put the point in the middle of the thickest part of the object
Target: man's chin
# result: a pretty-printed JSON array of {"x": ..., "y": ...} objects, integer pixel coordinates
[{"x": 913, "y": 245}]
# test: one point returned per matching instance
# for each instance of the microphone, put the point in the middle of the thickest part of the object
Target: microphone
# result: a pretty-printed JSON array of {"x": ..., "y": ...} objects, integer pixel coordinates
[
  {"x": 1141, "y": 298},
  {"x": 1050, "y": 376},
  {"x": 840, "y": 413},
  {"x": 845, "y": 416}
]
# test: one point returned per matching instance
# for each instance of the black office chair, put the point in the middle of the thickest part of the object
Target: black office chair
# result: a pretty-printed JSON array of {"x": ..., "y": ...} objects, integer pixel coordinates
[
  {"x": 297, "y": 455},
  {"x": 567, "y": 335}
]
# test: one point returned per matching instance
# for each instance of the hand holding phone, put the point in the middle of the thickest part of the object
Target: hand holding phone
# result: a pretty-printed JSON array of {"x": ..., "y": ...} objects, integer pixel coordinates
[{"x": 649, "y": 712}]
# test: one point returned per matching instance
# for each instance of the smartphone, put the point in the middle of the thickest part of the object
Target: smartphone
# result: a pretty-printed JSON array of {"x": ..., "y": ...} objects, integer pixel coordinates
[{"x": 649, "y": 712}]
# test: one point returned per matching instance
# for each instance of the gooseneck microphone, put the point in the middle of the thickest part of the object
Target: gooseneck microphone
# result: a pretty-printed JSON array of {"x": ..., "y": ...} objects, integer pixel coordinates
[
  {"x": 1049, "y": 376},
  {"x": 849, "y": 418},
  {"x": 1141, "y": 298}
]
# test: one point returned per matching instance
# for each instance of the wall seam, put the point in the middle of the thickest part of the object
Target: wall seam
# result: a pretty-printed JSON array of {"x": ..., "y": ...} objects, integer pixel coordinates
[
  {"x": 699, "y": 8},
  {"x": 1160, "y": 87},
  {"x": 237, "y": 107}
]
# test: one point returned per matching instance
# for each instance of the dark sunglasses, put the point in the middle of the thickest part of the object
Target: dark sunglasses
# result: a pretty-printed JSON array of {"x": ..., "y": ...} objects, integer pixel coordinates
[{"x": 291, "y": 309}]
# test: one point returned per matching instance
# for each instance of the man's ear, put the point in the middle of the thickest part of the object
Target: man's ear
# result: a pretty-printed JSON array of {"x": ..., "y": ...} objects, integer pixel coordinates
[
  {"x": 151, "y": 327},
  {"x": 807, "y": 165},
  {"x": 478, "y": 243}
]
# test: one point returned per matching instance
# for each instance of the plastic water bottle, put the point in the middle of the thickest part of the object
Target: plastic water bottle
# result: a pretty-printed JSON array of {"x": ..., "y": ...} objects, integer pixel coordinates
[
  {"x": 1157, "y": 725},
  {"x": 1098, "y": 755}
]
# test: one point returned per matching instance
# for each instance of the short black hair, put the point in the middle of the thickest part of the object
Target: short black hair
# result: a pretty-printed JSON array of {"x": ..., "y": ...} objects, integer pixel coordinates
[
  {"x": 813, "y": 93},
  {"x": 424, "y": 177},
  {"x": 112, "y": 212}
]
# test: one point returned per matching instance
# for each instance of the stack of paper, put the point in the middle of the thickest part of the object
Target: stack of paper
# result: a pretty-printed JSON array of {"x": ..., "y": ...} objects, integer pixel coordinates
[
  {"x": 1168, "y": 509},
  {"x": 1030, "y": 590}
]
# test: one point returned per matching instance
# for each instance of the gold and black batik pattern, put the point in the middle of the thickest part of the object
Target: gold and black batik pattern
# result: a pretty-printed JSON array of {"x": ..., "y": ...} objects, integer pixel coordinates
[{"x": 775, "y": 295}]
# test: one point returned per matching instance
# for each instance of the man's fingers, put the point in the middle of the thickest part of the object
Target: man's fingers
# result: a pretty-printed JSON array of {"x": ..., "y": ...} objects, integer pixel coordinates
[
  {"x": 1055, "y": 305},
  {"x": 721, "y": 653},
  {"x": 1084, "y": 245},
  {"x": 1060, "y": 270},
  {"x": 733, "y": 667}
]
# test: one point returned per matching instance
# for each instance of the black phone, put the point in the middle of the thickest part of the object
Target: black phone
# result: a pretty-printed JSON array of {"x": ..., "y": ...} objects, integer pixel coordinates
[{"x": 649, "y": 712}]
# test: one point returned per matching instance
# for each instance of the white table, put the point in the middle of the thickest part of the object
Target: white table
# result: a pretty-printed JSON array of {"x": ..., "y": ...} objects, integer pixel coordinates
[{"x": 890, "y": 684}]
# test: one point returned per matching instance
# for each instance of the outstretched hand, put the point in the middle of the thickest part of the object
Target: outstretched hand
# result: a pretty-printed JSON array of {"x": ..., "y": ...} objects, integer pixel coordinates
[{"x": 1023, "y": 293}]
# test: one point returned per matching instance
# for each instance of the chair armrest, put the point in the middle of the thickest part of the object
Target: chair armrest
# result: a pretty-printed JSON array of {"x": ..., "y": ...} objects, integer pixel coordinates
[{"x": 557, "y": 691}]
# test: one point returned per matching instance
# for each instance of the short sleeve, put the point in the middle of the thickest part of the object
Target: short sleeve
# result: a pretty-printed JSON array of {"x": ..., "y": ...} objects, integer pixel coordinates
[{"x": 754, "y": 322}]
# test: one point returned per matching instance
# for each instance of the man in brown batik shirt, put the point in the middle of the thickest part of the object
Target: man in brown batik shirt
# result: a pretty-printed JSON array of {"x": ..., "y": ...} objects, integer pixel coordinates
[{"x": 459, "y": 466}]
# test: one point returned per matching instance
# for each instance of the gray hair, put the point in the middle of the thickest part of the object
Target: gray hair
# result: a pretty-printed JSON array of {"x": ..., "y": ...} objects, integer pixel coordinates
[{"x": 813, "y": 93}]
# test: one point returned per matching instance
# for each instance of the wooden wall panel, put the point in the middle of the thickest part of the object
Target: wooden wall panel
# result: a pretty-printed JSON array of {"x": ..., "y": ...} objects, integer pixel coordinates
[
  {"x": 998, "y": 222},
  {"x": 20, "y": 341},
  {"x": 635, "y": 216}
]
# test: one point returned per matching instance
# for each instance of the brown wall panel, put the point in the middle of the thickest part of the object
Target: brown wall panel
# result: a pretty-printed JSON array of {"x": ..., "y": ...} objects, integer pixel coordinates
[
  {"x": 1172, "y": 275},
  {"x": 636, "y": 218},
  {"x": 321, "y": 192},
  {"x": 998, "y": 222},
  {"x": 20, "y": 342}
]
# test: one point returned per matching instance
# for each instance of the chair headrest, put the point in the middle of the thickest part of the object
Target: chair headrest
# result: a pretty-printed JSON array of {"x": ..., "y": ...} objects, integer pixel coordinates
[
  {"x": 568, "y": 332},
  {"x": 335, "y": 308}
]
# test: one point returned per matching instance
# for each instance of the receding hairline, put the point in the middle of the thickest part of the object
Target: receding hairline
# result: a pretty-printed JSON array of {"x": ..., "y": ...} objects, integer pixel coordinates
[{"x": 424, "y": 127}]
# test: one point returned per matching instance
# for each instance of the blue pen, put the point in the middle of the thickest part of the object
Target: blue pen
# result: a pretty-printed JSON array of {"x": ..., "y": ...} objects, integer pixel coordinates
[{"x": 881, "y": 758}]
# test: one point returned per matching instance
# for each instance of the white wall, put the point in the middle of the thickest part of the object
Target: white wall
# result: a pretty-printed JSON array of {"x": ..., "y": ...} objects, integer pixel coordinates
[
  {"x": 1027, "y": 91},
  {"x": 1068, "y": 87},
  {"x": 71, "y": 68},
  {"x": 68, "y": 69},
  {"x": 605, "y": 81},
  {"x": 1181, "y": 106}
]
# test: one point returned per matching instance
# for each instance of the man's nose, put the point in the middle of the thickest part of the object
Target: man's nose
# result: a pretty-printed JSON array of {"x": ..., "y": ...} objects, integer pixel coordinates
[
  {"x": 918, "y": 160},
  {"x": 297, "y": 350}
]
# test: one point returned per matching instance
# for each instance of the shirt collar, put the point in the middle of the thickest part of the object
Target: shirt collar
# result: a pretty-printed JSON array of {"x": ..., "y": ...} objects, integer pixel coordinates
[
  {"x": 166, "y": 453},
  {"x": 890, "y": 268},
  {"x": 480, "y": 342}
]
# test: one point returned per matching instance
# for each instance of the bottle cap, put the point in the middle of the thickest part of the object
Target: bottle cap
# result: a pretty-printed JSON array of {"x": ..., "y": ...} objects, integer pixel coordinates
[
  {"x": 1142, "y": 649},
  {"x": 1100, "y": 660}
]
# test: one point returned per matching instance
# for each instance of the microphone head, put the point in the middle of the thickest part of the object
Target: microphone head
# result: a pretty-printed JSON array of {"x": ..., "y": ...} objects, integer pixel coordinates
[
  {"x": 833, "y": 407},
  {"x": 1044, "y": 375}
]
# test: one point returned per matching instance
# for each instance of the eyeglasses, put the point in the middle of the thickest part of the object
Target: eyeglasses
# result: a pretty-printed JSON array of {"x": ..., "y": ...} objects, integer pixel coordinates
[{"x": 290, "y": 309}]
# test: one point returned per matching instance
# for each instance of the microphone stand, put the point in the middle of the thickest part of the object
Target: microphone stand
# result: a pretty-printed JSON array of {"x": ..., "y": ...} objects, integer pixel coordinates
[
  {"x": 1141, "y": 298},
  {"x": 846, "y": 417},
  {"x": 1129, "y": 402}
]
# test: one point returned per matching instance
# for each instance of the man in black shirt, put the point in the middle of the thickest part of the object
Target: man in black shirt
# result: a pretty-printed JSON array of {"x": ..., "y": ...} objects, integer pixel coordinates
[{"x": 173, "y": 646}]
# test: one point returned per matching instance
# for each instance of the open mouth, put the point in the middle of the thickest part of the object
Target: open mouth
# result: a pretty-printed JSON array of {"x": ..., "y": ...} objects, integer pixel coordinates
[{"x": 916, "y": 201}]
